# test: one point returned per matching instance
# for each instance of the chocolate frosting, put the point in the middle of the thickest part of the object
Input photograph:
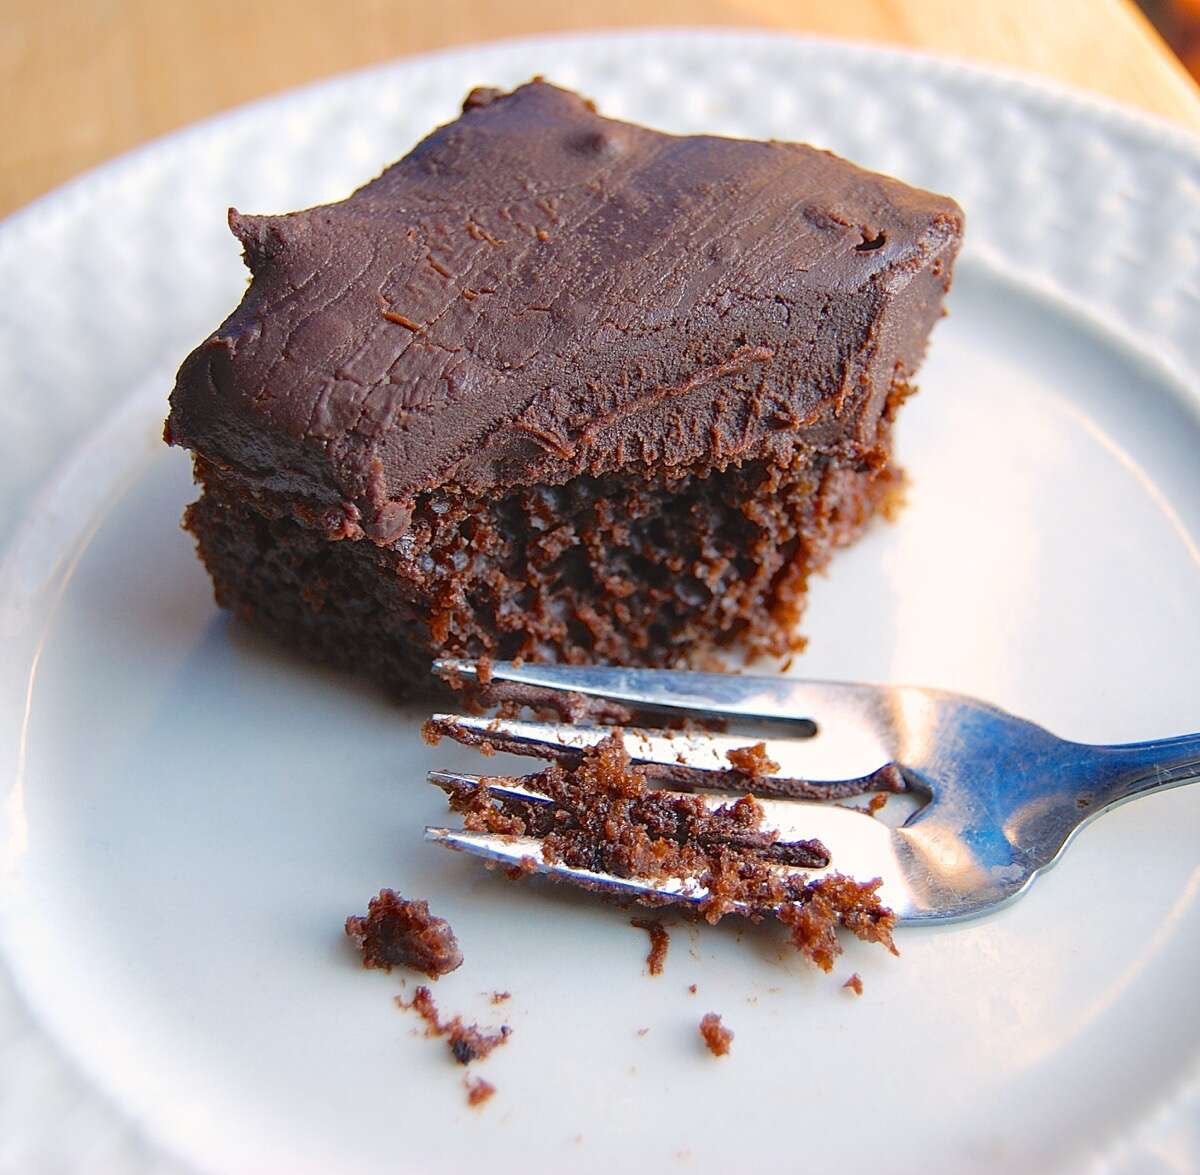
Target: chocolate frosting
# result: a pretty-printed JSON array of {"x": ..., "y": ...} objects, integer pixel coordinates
[{"x": 537, "y": 292}]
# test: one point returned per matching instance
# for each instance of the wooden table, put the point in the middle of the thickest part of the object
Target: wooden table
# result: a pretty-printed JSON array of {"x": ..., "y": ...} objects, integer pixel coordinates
[{"x": 81, "y": 81}]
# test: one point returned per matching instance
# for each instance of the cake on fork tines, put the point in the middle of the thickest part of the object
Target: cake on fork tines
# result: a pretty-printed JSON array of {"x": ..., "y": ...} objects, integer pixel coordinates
[{"x": 555, "y": 386}]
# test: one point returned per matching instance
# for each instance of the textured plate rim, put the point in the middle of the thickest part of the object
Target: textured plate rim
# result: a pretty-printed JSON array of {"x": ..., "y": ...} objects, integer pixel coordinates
[{"x": 57, "y": 200}]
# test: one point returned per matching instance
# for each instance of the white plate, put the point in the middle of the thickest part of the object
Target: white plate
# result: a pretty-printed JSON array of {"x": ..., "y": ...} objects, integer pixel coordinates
[{"x": 188, "y": 815}]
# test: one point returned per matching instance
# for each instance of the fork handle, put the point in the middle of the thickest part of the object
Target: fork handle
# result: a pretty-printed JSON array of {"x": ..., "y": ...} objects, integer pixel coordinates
[{"x": 1137, "y": 769}]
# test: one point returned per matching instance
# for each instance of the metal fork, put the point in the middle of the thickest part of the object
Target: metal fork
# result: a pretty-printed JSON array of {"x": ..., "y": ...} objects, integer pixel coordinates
[{"x": 1003, "y": 797}]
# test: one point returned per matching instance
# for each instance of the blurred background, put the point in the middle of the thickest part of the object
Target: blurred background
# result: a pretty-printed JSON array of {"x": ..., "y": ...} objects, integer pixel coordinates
[{"x": 84, "y": 80}]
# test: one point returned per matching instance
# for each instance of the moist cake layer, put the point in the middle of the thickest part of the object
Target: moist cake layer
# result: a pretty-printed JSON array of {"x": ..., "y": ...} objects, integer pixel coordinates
[{"x": 613, "y": 569}]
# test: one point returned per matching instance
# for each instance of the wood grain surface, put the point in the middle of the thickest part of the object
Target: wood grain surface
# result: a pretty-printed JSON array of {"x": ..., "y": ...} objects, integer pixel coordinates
[{"x": 82, "y": 80}]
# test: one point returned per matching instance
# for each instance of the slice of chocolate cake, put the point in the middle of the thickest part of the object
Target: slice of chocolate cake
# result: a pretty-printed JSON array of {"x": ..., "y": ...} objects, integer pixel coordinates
[{"x": 555, "y": 386}]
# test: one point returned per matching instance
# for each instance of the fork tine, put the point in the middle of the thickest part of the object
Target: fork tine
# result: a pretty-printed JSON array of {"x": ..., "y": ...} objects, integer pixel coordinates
[
  {"x": 525, "y": 854},
  {"x": 786, "y": 818},
  {"x": 718, "y": 695},
  {"x": 790, "y": 820},
  {"x": 857, "y": 843},
  {"x": 698, "y": 759},
  {"x": 869, "y": 853},
  {"x": 499, "y": 789}
]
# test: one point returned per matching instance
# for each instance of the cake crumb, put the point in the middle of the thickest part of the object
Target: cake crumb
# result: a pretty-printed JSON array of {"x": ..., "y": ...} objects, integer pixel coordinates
[
  {"x": 480, "y": 814},
  {"x": 692, "y": 988},
  {"x": 854, "y": 983},
  {"x": 877, "y": 802},
  {"x": 752, "y": 761},
  {"x": 523, "y": 868},
  {"x": 642, "y": 1031},
  {"x": 467, "y": 1042},
  {"x": 478, "y": 1091},
  {"x": 498, "y": 997},
  {"x": 660, "y": 940},
  {"x": 833, "y": 901},
  {"x": 717, "y": 1037},
  {"x": 396, "y": 932}
]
